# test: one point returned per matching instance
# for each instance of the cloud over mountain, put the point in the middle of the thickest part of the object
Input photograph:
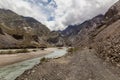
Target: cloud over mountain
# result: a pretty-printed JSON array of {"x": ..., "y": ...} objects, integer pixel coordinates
[{"x": 58, "y": 14}]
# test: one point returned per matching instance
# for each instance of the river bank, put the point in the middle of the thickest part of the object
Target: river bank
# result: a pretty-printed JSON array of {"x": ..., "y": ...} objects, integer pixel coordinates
[
  {"x": 12, "y": 71},
  {"x": 8, "y": 59}
]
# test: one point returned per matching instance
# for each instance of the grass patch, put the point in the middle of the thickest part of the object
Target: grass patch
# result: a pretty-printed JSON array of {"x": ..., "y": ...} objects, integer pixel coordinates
[
  {"x": 22, "y": 51},
  {"x": 14, "y": 52},
  {"x": 7, "y": 52}
]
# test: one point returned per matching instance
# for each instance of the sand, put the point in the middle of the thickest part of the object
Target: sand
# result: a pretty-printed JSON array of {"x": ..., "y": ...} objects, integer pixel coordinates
[{"x": 8, "y": 59}]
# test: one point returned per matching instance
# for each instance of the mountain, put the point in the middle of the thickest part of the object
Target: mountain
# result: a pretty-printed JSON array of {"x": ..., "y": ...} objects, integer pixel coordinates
[
  {"x": 102, "y": 33},
  {"x": 73, "y": 32},
  {"x": 75, "y": 29},
  {"x": 11, "y": 19},
  {"x": 19, "y": 32},
  {"x": 106, "y": 38}
]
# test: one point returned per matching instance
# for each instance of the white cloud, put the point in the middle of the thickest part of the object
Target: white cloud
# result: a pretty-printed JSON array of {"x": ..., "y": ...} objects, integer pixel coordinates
[
  {"x": 77, "y": 11},
  {"x": 58, "y": 14}
]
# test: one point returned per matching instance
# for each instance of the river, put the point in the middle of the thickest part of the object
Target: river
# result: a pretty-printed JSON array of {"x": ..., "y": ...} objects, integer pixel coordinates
[{"x": 11, "y": 72}]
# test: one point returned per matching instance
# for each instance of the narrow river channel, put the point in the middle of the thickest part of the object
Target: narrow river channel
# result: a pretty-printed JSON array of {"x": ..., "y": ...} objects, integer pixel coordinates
[{"x": 12, "y": 71}]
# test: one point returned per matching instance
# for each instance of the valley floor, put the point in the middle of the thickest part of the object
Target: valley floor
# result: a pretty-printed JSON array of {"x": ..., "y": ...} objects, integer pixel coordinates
[
  {"x": 8, "y": 59},
  {"x": 82, "y": 65}
]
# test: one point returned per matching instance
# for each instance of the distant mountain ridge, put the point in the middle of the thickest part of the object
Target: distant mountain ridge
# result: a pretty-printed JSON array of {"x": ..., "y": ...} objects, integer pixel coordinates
[
  {"x": 73, "y": 32},
  {"x": 75, "y": 29}
]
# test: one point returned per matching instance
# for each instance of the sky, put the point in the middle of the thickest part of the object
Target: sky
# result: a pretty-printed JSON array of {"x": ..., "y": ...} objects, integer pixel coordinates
[{"x": 58, "y": 14}]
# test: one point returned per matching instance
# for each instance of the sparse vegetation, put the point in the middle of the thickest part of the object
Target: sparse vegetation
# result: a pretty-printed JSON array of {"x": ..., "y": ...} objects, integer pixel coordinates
[
  {"x": 14, "y": 52},
  {"x": 34, "y": 50},
  {"x": 60, "y": 48},
  {"x": 22, "y": 51},
  {"x": 71, "y": 50},
  {"x": 44, "y": 59},
  {"x": 7, "y": 52},
  {"x": 42, "y": 48}
]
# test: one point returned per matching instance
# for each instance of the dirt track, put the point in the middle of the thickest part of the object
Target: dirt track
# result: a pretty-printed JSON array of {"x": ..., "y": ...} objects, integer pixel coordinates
[{"x": 82, "y": 65}]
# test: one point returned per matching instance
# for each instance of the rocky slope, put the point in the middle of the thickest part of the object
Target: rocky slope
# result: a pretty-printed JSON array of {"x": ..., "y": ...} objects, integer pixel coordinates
[
  {"x": 106, "y": 38},
  {"x": 101, "y": 33},
  {"x": 17, "y": 31}
]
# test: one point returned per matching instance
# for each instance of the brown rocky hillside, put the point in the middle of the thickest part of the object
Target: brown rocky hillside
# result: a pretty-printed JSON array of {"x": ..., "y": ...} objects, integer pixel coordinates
[
  {"x": 103, "y": 37},
  {"x": 18, "y": 32},
  {"x": 101, "y": 33},
  {"x": 106, "y": 38}
]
